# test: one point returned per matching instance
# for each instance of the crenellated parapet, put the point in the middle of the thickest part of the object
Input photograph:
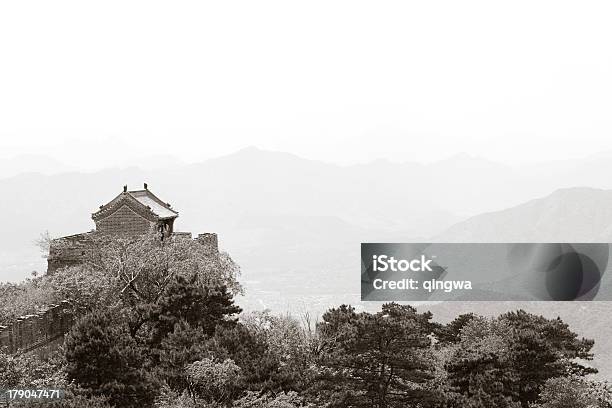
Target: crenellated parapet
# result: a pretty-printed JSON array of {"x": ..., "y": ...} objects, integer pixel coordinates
[
  {"x": 35, "y": 331},
  {"x": 69, "y": 251},
  {"x": 209, "y": 241},
  {"x": 75, "y": 249}
]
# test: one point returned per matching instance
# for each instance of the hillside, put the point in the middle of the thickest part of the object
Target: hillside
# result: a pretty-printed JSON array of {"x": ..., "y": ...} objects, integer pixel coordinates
[{"x": 567, "y": 215}]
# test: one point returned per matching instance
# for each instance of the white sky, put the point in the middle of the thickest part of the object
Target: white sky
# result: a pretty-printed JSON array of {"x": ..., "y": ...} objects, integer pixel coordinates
[{"x": 340, "y": 81}]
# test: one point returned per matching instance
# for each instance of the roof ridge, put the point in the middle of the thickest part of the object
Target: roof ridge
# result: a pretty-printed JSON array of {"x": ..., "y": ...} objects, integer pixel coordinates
[
  {"x": 142, "y": 198},
  {"x": 155, "y": 198}
]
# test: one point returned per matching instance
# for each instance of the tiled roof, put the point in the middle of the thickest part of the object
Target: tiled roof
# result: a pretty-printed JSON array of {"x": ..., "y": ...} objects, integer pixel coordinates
[
  {"x": 145, "y": 198},
  {"x": 157, "y": 206}
]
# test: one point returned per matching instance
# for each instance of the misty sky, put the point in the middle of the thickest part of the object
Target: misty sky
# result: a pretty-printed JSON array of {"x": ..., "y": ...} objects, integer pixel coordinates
[{"x": 92, "y": 83}]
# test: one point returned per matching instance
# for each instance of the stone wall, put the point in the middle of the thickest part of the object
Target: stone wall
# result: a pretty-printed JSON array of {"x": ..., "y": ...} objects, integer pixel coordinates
[
  {"x": 209, "y": 241},
  {"x": 74, "y": 249},
  {"x": 68, "y": 251},
  {"x": 38, "y": 332},
  {"x": 124, "y": 222}
]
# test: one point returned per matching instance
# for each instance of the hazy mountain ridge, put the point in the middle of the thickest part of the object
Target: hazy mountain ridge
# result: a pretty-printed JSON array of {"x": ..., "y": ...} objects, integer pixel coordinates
[
  {"x": 378, "y": 201},
  {"x": 567, "y": 215},
  {"x": 216, "y": 195}
]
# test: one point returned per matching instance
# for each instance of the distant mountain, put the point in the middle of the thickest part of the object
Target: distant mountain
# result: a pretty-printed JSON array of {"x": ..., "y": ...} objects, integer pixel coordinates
[
  {"x": 566, "y": 215},
  {"x": 154, "y": 162},
  {"x": 376, "y": 201},
  {"x": 221, "y": 194}
]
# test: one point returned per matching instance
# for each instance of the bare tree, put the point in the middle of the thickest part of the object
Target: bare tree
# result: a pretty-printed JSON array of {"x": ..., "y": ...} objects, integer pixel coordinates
[{"x": 43, "y": 242}]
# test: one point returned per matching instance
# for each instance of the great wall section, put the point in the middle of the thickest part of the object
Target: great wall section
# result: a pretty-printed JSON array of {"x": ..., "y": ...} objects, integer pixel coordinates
[
  {"x": 42, "y": 332},
  {"x": 37, "y": 333}
]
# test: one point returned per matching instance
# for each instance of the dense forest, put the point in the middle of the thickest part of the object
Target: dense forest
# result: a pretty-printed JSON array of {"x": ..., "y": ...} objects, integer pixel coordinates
[{"x": 157, "y": 326}]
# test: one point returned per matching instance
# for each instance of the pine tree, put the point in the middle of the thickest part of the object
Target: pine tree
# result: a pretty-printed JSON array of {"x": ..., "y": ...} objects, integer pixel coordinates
[
  {"x": 188, "y": 300},
  {"x": 376, "y": 360},
  {"x": 104, "y": 360}
]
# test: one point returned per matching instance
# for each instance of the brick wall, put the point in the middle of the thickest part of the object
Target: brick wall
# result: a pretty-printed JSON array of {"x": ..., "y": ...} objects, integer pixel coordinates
[
  {"x": 124, "y": 221},
  {"x": 74, "y": 250},
  {"x": 68, "y": 251},
  {"x": 209, "y": 241},
  {"x": 38, "y": 331}
]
